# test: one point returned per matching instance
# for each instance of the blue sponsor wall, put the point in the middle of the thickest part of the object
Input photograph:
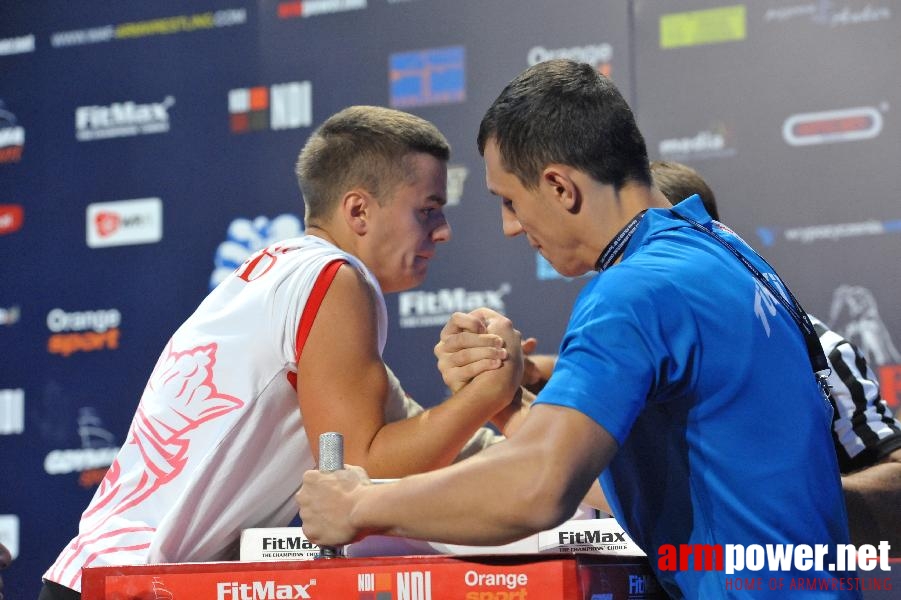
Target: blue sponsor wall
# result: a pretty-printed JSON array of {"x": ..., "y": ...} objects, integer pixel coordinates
[{"x": 148, "y": 148}]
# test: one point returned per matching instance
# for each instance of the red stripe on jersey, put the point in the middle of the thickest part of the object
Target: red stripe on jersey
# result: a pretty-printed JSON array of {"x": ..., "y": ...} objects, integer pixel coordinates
[{"x": 323, "y": 282}]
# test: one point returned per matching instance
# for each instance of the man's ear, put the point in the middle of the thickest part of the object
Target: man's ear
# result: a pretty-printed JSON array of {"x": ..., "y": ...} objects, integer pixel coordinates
[
  {"x": 356, "y": 209},
  {"x": 557, "y": 179}
]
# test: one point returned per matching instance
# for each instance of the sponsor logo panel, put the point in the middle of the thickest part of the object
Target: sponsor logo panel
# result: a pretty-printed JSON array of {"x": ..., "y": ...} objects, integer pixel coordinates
[
  {"x": 12, "y": 412},
  {"x": 83, "y": 331},
  {"x": 153, "y": 27},
  {"x": 124, "y": 222},
  {"x": 246, "y": 237},
  {"x": 12, "y": 217},
  {"x": 280, "y": 106},
  {"x": 831, "y": 126},
  {"x": 9, "y": 533},
  {"x": 714, "y": 142},
  {"x": 433, "y": 308},
  {"x": 809, "y": 234},
  {"x": 122, "y": 119},
  {"x": 10, "y": 315},
  {"x": 313, "y": 8},
  {"x": 428, "y": 77},
  {"x": 456, "y": 178},
  {"x": 12, "y": 136},
  {"x": 22, "y": 44},
  {"x": 703, "y": 27},
  {"x": 598, "y": 56},
  {"x": 97, "y": 452},
  {"x": 831, "y": 14}
]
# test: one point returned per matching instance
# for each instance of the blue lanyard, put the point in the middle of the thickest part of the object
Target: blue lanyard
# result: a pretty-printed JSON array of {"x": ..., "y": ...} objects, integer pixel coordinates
[{"x": 814, "y": 348}]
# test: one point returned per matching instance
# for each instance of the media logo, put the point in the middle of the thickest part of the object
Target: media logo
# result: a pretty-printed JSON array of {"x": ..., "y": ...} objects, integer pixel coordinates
[
  {"x": 122, "y": 119},
  {"x": 456, "y": 178},
  {"x": 281, "y": 106},
  {"x": 705, "y": 144},
  {"x": 830, "y": 14},
  {"x": 12, "y": 216},
  {"x": 83, "y": 331},
  {"x": 124, "y": 222},
  {"x": 12, "y": 136},
  {"x": 428, "y": 77},
  {"x": 22, "y": 44},
  {"x": 245, "y": 237},
  {"x": 831, "y": 126},
  {"x": 12, "y": 412},
  {"x": 313, "y": 8},
  {"x": 9, "y": 533},
  {"x": 430, "y": 309},
  {"x": 10, "y": 316},
  {"x": 596, "y": 55},
  {"x": 703, "y": 27}
]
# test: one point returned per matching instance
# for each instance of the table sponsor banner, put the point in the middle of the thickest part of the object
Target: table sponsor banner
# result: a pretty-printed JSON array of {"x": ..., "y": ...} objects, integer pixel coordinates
[{"x": 399, "y": 578}]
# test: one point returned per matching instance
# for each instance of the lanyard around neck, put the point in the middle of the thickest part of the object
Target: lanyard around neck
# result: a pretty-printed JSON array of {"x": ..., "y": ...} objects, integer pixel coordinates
[
  {"x": 618, "y": 244},
  {"x": 798, "y": 314}
]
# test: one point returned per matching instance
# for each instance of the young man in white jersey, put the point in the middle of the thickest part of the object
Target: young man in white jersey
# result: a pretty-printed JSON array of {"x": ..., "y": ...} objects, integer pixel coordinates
[{"x": 286, "y": 348}]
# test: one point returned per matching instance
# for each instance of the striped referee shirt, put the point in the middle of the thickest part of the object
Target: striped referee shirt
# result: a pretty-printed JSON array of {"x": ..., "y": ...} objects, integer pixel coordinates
[{"x": 864, "y": 429}]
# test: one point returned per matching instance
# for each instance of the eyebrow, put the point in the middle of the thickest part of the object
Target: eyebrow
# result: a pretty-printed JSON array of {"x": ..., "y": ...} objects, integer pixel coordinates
[{"x": 441, "y": 200}]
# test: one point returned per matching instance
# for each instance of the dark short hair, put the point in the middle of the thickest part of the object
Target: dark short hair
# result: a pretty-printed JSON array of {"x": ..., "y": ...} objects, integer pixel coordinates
[
  {"x": 363, "y": 146},
  {"x": 565, "y": 112},
  {"x": 678, "y": 182}
]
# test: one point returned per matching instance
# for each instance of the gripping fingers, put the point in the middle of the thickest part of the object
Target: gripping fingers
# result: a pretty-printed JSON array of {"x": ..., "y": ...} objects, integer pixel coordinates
[{"x": 460, "y": 322}]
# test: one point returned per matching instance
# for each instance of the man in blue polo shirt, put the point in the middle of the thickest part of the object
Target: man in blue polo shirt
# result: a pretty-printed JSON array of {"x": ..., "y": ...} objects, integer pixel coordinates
[{"x": 684, "y": 379}]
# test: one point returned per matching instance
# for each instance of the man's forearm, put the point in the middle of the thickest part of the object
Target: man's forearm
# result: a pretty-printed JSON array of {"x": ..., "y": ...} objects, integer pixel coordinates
[
  {"x": 431, "y": 439},
  {"x": 488, "y": 499}
]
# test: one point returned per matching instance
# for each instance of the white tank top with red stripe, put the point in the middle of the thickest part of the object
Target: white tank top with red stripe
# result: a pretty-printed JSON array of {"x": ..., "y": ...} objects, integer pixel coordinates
[{"x": 217, "y": 444}]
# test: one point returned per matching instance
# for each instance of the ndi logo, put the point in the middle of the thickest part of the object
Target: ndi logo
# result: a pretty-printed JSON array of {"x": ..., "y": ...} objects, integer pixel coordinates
[
  {"x": 12, "y": 411},
  {"x": 414, "y": 585},
  {"x": 429, "y": 309},
  {"x": 279, "y": 106}
]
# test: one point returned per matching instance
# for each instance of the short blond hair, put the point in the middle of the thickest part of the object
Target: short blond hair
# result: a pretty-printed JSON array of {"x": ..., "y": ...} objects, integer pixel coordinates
[{"x": 362, "y": 146}]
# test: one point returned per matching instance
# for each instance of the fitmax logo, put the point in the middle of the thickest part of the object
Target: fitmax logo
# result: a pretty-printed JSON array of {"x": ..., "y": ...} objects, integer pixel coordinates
[
  {"x": 262, "y": 590},
  {"x": 591, "y": 537},
  {"x": 426, "y": 309},
  {"x": 122, "y": 119}
]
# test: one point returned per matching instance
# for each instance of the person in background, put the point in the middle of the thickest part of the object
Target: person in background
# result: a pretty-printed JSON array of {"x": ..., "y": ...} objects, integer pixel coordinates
[
  {"x": 6, "y": 559},
  {"x": 285, "y": 348},
  {"x": 657, "y": 389}
]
